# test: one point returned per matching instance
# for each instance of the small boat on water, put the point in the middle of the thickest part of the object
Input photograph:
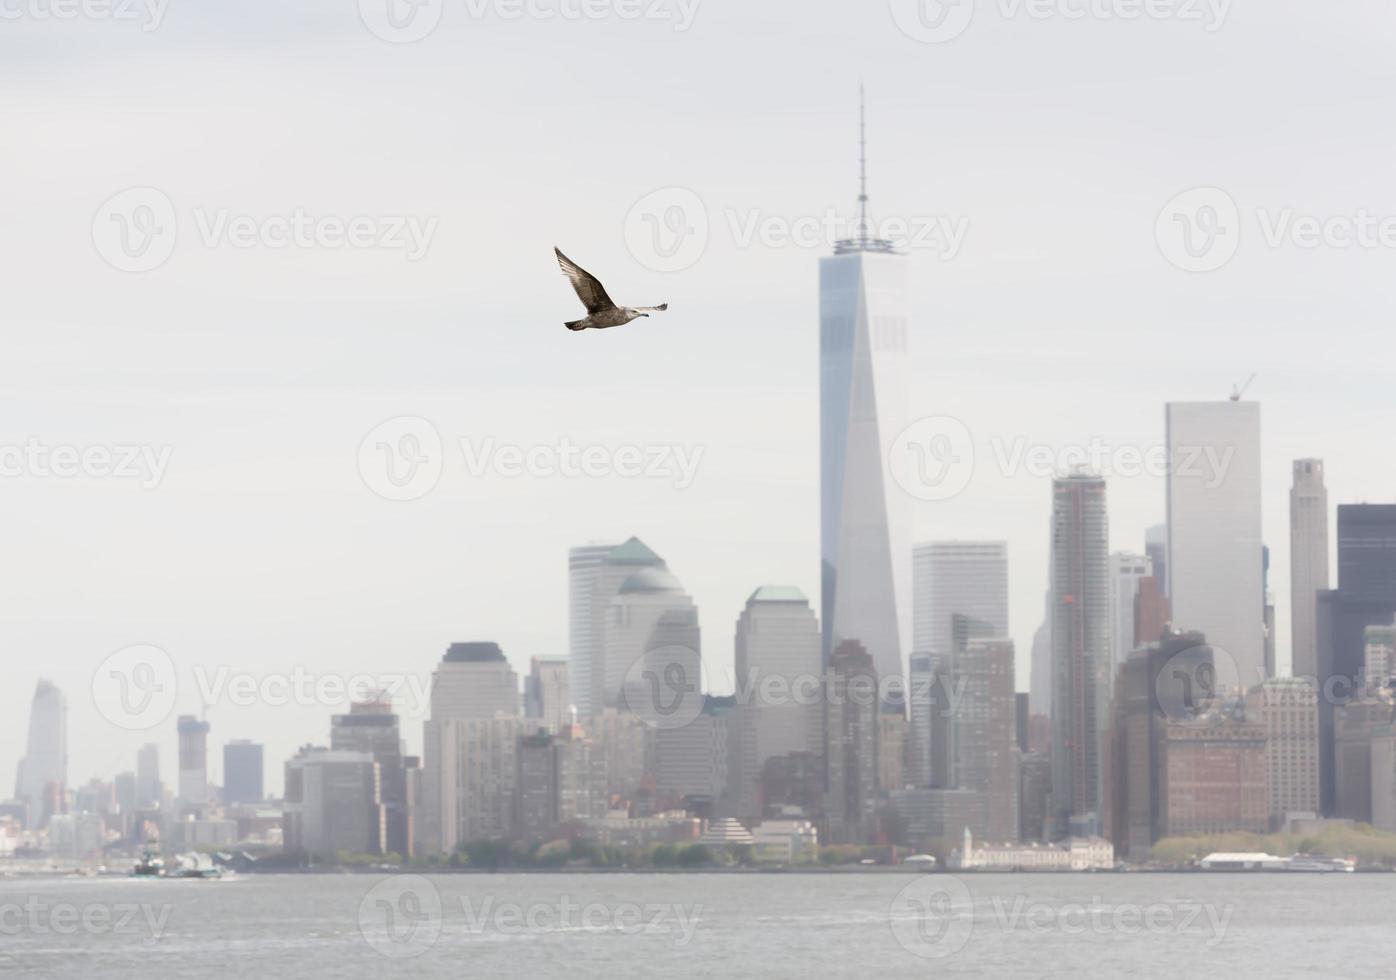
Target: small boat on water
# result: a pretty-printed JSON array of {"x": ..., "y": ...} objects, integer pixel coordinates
[
  {"x": 194, "y": 865},
  {"x": 151, "y": 865},
  {"x": 1319, "y": 863}
]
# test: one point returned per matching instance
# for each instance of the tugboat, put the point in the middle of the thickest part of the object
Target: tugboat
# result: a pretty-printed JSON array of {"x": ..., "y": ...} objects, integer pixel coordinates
[{"x": 151, "y": 865}]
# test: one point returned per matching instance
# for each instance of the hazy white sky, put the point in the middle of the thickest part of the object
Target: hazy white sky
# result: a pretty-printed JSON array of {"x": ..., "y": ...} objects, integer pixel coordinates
[{"x": 262, "y": 369}]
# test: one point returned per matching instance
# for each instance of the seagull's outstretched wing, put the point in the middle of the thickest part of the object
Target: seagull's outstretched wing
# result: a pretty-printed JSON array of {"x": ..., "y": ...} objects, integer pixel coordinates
[{"x": 588, "y": 287}]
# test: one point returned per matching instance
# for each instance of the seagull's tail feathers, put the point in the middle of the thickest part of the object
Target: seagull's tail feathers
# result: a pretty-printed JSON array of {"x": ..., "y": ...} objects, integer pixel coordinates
[
  {"x": 575, "y": 325},
  {"x": 653, "y": 309}
]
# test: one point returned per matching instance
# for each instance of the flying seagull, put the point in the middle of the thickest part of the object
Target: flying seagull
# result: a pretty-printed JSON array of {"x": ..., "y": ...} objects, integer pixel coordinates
[{"x": 601, "y": 311}]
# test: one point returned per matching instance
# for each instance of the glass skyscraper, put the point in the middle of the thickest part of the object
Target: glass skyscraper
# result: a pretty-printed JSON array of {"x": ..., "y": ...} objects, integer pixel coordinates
[{"x": 864, "y": 518}]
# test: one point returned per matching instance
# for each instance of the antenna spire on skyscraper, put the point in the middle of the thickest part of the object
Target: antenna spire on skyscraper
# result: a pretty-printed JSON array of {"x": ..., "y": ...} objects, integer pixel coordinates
[
  {"x": 861, "y": 242},
  {"x": 862, "y": 167}
]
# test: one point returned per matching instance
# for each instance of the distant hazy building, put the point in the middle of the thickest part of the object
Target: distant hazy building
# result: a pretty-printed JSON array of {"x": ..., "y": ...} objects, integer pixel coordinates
[
  {"x": 1365, "y": 761},
  {"x": 692, "y": 760},
  {"x": 1156, "y": 547},
  {"x": 778, "y": 668},
  {"x": 651, "y": 647},
  {"x": 372, "y": 727},
  {"x": 965, "y": 577},
  {"x": 1287, "y": 708},
  {"x": 242, "y": 772},
  {"x": 1366, "y": 596},
  {"x": 596, "y": 574},
  {"x": 193, "y": 762},
  {"x": 985, "y": 732},
  {"x": 1127, "y": 570},
  {"x": 43, "y": 772},
  {"x": 1214, "y": 777},
  {"x": 547, "y": 695},
  {"x": 1308, "y": 556},
  {"x": 1379, "y": 657},
  {"x": 924, "y": 816},
  {"x": 1151, "y": 611},
  {"x": 1214, "y": 528},
  {"x": 852, "y": 709},
  {"x": 479, "y": 759},
  {"x": 332, "y": 803},
  {"x": 474, "y": 682},
  {"x": 892, "y": 734},
  {"x": 150, "y": 791},
  {"x": 864, "y": 515},
  {"x": 560, "y": 780},
  {"x": 584, "y": 627},
  {"x": 1034, "y": 795},
  {"x": 1138, "y": 723},
  {"x": 1080, "y": 589},
  {"x": 923, "y": 697},
  {"x": 1040, "y": 680},
  {"x": 627, "y": 746}
]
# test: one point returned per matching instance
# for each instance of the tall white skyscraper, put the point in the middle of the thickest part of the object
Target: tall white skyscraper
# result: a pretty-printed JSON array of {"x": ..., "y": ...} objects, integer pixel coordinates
[
  {"x": 582, "y": 565},
  {"x": 1215, "y": 552},
  {"x": 597, "y": 572},
  {"x": 43, "y": 772},
  {"x": 1126, "y": 570},
  {"x": 777, "y": 643},
  {"x": 965, "y": 577},
  {"x": 1308, "y": 556},
  {"x": 1080, "y": 652},
  {"x": 864, "y": 517},
  {"x": 474, "y": 683}
]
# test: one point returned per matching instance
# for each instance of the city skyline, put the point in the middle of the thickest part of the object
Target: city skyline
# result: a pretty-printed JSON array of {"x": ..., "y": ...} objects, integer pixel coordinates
[{"x": 981, "y": 351}]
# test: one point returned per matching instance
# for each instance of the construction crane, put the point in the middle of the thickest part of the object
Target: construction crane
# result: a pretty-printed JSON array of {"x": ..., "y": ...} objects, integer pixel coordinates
[{"x": 1237, "y": 392}]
